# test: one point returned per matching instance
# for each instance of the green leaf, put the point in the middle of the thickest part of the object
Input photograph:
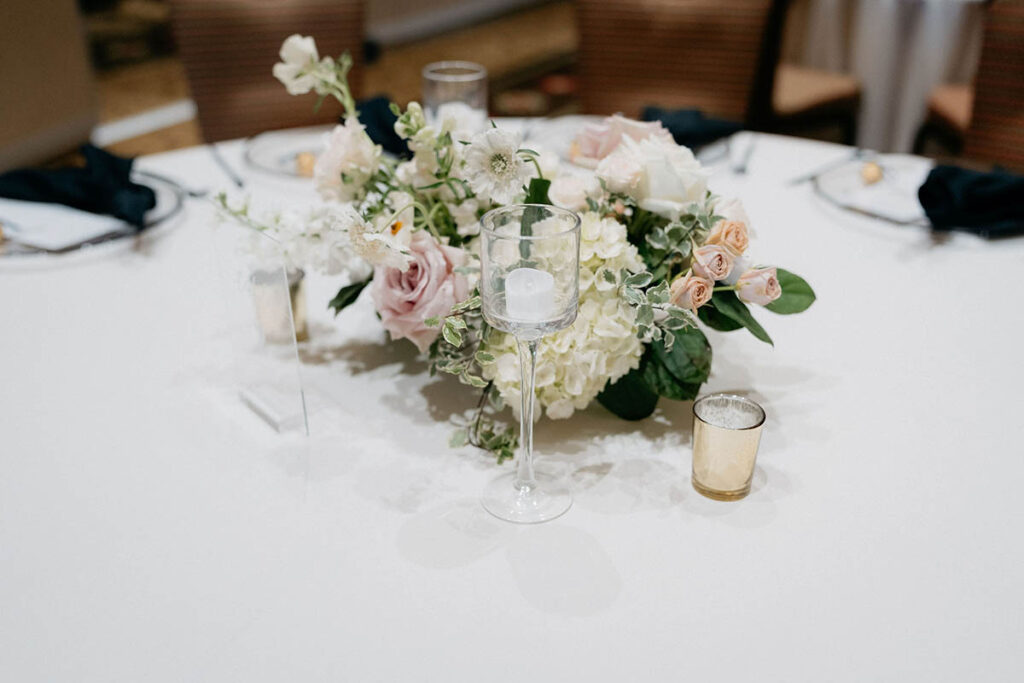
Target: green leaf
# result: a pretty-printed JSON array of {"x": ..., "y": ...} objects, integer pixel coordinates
[
  {"x": 633, "y": 296},
  {"x": 641, "y": 279},
  {"x": 608, "y": 276},
  {"x": 451, "y": 335},
  {"x": 472, "y": 302},
  {"x": 432, "y": 321},
  {"x": 537, "y": 192},
  {"x": 459, "y": 438},
  {"x": 347, "y": 295},
  {"x": 661, "y": 380},
  {"x": 797, "y": 295},
  {"x": 729, "y": 305},
  {"x": 710, "y": 316},
  {"x": 629, "y": 398},
  {"x": 689, "y": 361},
  {"x": 659, "y": 293},
  {"x": 483, "y": 358}
]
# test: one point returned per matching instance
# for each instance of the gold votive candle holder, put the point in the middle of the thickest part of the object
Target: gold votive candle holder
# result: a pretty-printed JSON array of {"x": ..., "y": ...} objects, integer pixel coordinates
[
  {"x": 726, "y": 436},
  {"x": 272, "y": 308}
]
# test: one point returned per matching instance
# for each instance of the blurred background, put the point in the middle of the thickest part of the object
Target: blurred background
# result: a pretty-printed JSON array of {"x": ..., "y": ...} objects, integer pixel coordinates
[{"x": 942, "y": 77}]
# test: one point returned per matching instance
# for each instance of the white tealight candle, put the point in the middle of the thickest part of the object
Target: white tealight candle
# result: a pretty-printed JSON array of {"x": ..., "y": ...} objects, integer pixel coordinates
[{"x": 529, "y": 295}]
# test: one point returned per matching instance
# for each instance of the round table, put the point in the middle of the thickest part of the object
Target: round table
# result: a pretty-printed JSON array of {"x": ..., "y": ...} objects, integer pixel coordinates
[{"x": 153, "y": 529}]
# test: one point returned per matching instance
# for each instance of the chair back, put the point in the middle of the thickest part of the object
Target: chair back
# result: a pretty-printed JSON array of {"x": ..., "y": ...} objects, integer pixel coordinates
[
  {"x": 47, "y": 93},
  {"x": 718, "y": 56},
  {"x": 996, "y": 133},
  {"x": 230, "y": 46}
]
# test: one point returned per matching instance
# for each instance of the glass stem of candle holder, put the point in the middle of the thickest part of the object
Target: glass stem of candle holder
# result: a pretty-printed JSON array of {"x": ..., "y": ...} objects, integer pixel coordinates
[{"x": 525, "y": 480}]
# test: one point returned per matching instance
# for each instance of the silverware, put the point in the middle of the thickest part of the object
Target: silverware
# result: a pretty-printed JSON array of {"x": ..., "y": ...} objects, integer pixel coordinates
[
  {"x": 224, "y": 166},
  {"x": 857, "y": 153},
  {"x": 740, "y": 167}
]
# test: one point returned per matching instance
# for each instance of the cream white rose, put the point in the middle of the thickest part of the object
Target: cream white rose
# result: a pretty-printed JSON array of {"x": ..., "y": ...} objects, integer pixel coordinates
[
  {"x": 671, "y": 180},
  {"x": 572, "y": 191}
]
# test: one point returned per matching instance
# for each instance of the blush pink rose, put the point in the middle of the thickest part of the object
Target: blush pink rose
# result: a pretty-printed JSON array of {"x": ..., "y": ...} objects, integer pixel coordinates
[
  {"x": 428, "y": 288},
  {"x": 692, "y": 292},
  {"x": 711, "y": 261},
  {"x": 598, "y": 140},
  {"x": 759, "y": 286}
]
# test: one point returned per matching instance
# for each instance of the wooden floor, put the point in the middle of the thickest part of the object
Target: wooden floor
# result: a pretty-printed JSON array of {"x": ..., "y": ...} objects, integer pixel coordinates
[{"x": 505, "y": 45}]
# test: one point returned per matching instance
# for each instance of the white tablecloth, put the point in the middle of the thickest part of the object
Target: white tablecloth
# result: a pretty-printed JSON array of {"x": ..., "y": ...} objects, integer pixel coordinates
[
  {"x": 152, "y": 529},
  {"x": 900, "y": 50}
]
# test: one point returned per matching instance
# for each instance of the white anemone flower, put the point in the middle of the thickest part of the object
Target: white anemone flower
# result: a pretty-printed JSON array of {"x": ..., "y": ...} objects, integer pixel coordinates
[
  {"x": 299, "y": 59},
  {"x": 494, "y": 168}
]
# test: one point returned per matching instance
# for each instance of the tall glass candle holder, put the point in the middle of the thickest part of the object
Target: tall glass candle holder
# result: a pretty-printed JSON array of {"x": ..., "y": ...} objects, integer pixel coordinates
[
  {"x": 456, "y": 88},
  {"x": 529, "y": 287}
]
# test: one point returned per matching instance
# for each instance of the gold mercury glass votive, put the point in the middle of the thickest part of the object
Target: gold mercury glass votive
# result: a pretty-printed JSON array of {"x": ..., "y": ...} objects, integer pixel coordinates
[
  {"x": 272, "y": 309},
  {"x": 726, "y": 434}
]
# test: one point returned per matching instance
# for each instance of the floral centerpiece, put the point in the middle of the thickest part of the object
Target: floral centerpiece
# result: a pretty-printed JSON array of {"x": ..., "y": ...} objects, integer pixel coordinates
[{"x": 660, "y": 257}]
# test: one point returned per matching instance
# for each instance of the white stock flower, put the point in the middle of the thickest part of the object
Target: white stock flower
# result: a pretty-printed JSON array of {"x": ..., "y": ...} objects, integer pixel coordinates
[
  {"x": 465, "y": 216},
  {"x": 347, "y": 163},
  {"x": 494, "y": 168},
  {"x": 299, "y": 59},
  {"x": 575, "y": 364}
]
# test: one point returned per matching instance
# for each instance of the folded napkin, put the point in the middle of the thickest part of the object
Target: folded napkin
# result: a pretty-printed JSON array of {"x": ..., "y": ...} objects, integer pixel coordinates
[
  {"x": 102, "y": 186},
  {"x": 376, "y": 115},
  {"x": 690, "y": 127},
  {"x": 987, "y": 204}
]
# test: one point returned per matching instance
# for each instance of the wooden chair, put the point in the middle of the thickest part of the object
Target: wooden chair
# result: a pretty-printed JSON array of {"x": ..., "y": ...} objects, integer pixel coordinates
[
  {"x": 230, "y": 46},
  {"x": 985, "y": 120},
  {"x": 719, "y": 56}
]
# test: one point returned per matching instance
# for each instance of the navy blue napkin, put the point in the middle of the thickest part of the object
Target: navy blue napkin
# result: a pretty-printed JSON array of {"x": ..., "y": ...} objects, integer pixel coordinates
[
  {"x": 987, "y": 204},
  {"x": 103, "y": 185},
  {"x": 690, "y": 127},
  {"x": 376, "y": 116}
]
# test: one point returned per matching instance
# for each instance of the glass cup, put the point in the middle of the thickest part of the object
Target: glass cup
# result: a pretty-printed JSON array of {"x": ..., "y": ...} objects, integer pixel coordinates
[
  {"x": 456, "y": 89},
  {"x": 529, "y": 288},
  {"x": 726, "y": 435}
]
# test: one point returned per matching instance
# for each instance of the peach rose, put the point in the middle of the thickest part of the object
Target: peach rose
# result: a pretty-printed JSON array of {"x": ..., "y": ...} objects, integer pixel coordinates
[
  {"x": 598, "y": 140},
  {"x": 759, "y": 286},
  {"x": 428, "y": 288},
  {"x": 692, "y": 291},
  {"x": 730, "y": 234},
  {"x": 711, "y": 261}
]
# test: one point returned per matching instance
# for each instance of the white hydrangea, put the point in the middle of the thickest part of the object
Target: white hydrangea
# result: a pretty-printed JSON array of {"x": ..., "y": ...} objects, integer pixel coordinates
[{"x": 574, "y": 365}]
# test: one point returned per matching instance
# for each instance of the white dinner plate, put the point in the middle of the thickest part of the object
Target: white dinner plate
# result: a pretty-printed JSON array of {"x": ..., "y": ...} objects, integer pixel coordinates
[
  {"x": 893, "y": 198},
  {"x": 38, "y": 232},
  {"x": 276, "y": 151}
]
